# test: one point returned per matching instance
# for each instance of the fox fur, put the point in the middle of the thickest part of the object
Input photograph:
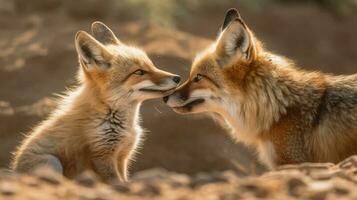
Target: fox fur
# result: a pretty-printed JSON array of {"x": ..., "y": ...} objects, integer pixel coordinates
[
  {"x": 288, "y": 114},
  {"x": 97, "y": 125}
]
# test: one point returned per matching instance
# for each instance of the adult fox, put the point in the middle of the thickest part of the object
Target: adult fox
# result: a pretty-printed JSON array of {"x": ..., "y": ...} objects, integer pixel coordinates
[
  {"x": 97, "y": 124},
  {"x": 288, "y": 114}
]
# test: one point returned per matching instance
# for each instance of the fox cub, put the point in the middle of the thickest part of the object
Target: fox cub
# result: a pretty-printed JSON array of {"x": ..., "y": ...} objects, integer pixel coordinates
[
  {"x": 289, "y": 115},
  {"x": 96, "y": 126}
]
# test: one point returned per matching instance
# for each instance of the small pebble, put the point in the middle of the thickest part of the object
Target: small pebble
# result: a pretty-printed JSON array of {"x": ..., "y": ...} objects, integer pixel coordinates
[
  {"x": 205, "y": 178},
  {"x": 256, "y": 190},
  {"x": 294, "y": 185},
  {"x": 48, "y": 175},
  {"x": 341, "y": 191},
  {"x": 119, "y": 187},
  {"x": 8, "y": 189},
  {"x": 87, "y": 179},
  {"x": 148, "y": 190}
]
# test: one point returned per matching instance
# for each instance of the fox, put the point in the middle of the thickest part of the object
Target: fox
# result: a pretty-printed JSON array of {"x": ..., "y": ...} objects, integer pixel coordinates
[
  {"x": 287, "y": 114},
  {"x": 97, "y": 124}
]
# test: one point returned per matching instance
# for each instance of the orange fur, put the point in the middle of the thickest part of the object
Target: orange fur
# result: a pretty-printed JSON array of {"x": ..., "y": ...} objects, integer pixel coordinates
[
  {"x": 97, "y": 125},
  {"x": 288, "y": 114}
]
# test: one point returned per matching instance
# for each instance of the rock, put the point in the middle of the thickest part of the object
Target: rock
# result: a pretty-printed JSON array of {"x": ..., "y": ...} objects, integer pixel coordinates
[
  {"x": 87, "y": 179},
  {"x": 348, "y": 163},
  {"x": 339, "y": 191},
  {"x": 151, "y": 174},
  {"x": 48, "y": 175},
  {"x": 294, "y": 186},
  {"x": 121, "y": 187},
  {"x": 179, "y": 180},
  {"x": 31, "y": 182},
  {"x": 8, "y": 189},
  {"x": 255, "y": 189},
  {"x": 147, "y": 190},
  {"x": 205, "y": 178}
]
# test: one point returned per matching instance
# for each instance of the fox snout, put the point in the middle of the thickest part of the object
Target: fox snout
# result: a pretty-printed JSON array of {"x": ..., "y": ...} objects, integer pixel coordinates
[
  {"x": 175, "y": 98},
  {"x": 157, "y": 84},
  {"x": 176, "y": 79},
  {"x": 163, "y": 84},
  {"x": 172, "y": 80},
  {"x": 183, "y": 100},
  {"x": 180, "y": 96}
]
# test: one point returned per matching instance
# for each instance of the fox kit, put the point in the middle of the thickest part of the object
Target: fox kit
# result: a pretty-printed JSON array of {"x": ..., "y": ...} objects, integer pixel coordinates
[
  {"x": 289, "y": 115},
  {"x": 96, "y": 126}
]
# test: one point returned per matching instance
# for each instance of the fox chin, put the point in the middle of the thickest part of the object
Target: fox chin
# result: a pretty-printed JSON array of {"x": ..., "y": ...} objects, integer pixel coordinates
[{"x": 288, "y": 114}]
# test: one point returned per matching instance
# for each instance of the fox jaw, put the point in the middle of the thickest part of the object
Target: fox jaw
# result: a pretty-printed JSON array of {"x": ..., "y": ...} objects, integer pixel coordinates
[
  {"x": 217, "y": 75},
  {"x": 117, "y": 71}
]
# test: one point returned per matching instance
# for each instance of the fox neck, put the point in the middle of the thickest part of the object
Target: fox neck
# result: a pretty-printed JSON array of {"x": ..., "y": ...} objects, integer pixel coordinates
[
  {"x": 277, "y": 86},
  {"x": 86, "y": 99}
]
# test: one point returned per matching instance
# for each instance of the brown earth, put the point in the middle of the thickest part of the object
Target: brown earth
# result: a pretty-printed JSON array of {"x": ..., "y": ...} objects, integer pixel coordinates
[
  {"x": 37, "y": 59},
  {"x": 306, "y": 181}
]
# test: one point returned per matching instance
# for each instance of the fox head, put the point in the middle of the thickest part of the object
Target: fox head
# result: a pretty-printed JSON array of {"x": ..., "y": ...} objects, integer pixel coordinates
[
  {"x": 218, "y": 74},
  {"x": 117, "y": 71}
]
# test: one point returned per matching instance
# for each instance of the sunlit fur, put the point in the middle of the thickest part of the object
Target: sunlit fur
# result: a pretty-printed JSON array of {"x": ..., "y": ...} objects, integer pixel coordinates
[
  {"x": 96, "y": 125},
  {"x": 290, "y": 115}
]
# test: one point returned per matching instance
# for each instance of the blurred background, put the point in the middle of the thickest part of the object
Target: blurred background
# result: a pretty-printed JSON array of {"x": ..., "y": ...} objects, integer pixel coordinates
[{"x": 38, "y": 59}]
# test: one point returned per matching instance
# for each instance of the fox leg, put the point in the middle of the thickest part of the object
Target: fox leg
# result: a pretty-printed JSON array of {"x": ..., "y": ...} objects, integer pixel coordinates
[
  {"x": 113, "y": 169},
  {"x": 105, "y": 167},
  {"x": 123, "y": 158},
  {"x": 28, "y": 163},
  {"x": 122, "y": 168},
  {"x": 113, "y": 165}
]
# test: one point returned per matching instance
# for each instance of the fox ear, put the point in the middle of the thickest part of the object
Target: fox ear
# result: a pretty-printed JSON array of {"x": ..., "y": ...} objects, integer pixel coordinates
[
  {"x": 91, "y": 52},
  {"x": 103, "y": 34},
  {"x": 235, "y": 39},
  {"x": 231, "y": 14}
]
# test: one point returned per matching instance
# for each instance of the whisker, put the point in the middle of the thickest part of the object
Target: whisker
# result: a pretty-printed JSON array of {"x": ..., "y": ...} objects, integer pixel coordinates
[{"x": 158, "y": 110}]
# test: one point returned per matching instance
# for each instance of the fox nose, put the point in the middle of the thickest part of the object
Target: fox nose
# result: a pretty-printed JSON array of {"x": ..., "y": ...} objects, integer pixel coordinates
[
  {"x": 176, "y": 79},
  {"x": 165, "y": 99}
]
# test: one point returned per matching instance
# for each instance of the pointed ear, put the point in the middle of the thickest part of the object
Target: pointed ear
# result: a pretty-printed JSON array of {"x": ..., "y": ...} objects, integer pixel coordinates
[
  {"x": 91, "y": 52},
  {"x": 235, "y": 39},
  {"x": 231, "y": 14},
  {"x": 103, "y": 34}
]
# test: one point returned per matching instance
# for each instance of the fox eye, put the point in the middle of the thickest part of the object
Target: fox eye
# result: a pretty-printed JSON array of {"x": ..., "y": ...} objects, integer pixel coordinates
[
  {"x": 140, "y": 72},
  {"x": 197, "y": 78}
]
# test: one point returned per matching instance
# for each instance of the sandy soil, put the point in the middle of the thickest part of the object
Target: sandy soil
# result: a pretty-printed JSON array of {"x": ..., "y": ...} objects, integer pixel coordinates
[{"x": 307, "y": 181}]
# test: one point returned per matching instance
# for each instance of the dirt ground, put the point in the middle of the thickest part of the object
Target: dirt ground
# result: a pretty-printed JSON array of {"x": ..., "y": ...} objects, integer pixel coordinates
[
  {"x": 37, "y": 60},
  {"x": 318, "y": 181}
]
